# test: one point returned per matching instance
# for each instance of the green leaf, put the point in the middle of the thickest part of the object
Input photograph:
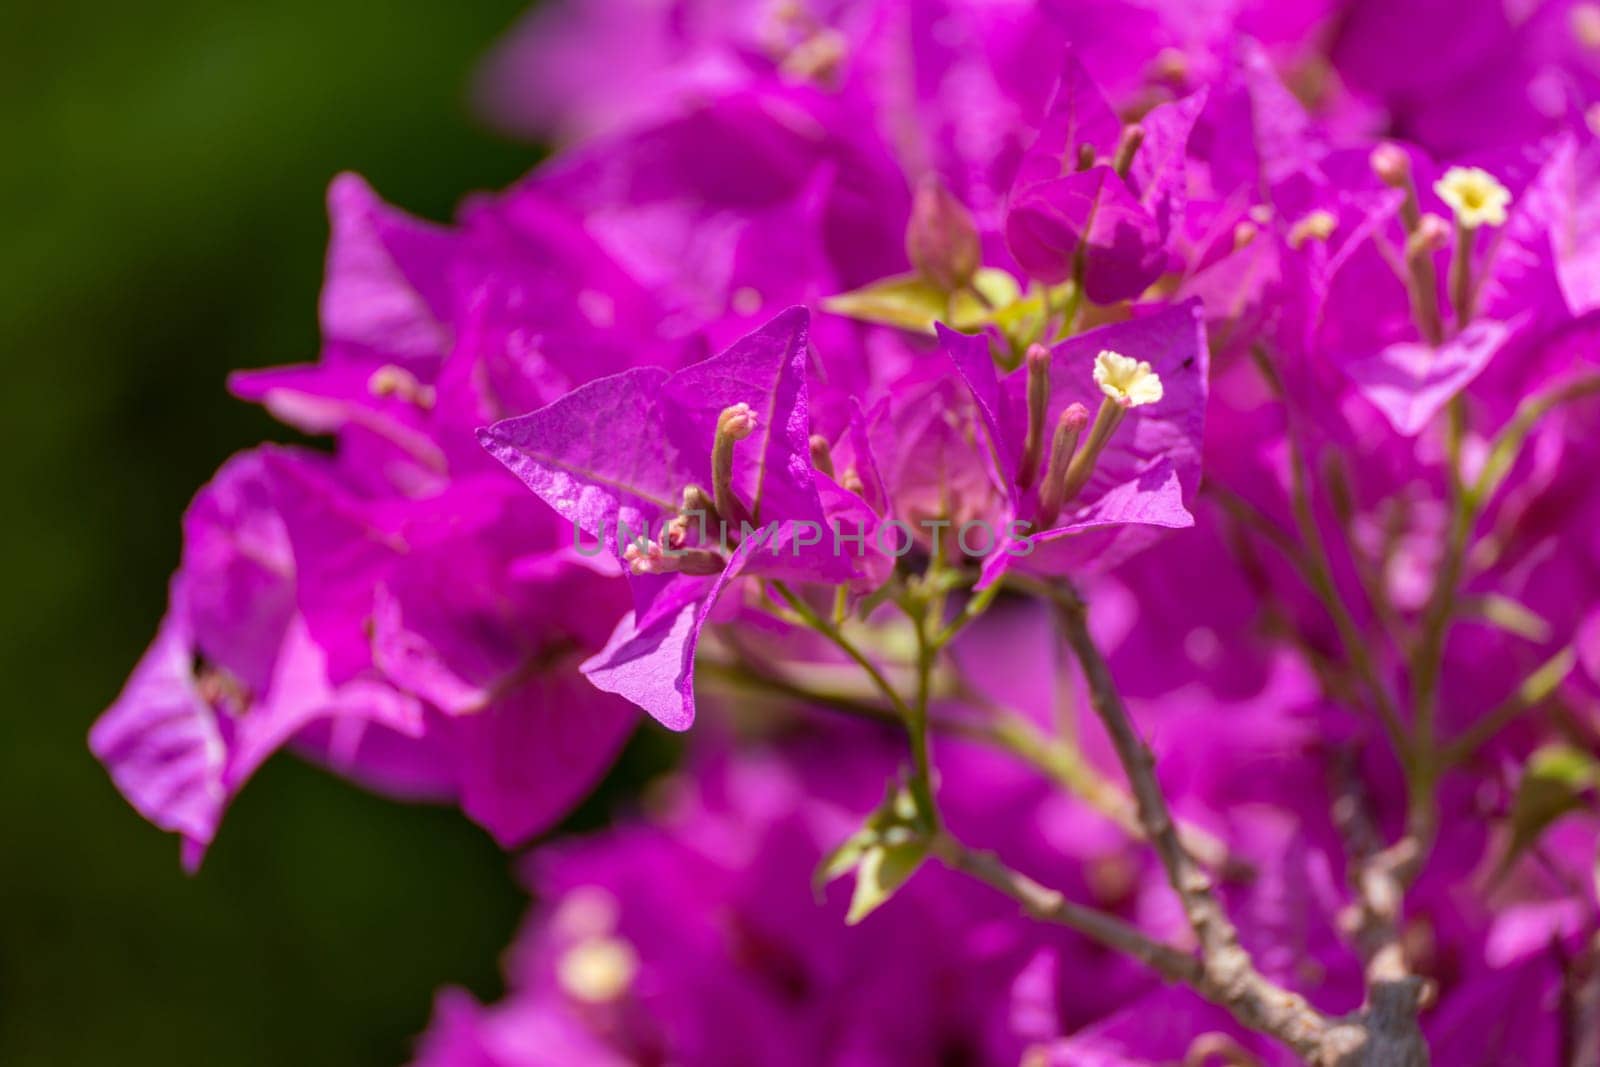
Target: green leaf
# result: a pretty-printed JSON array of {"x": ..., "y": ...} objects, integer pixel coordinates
[
  {"x": 844, "y": 859},
  {"x": 1509, "y": 615},
  {"x": 911, "y": 302},
  {"x": 886, "y": 851},
  {"x": 908, "y": 301},
  {"x": 1557, "y": 781},
  {"x": 884, "y": 869},
  {"x": 998, "y": 287}
]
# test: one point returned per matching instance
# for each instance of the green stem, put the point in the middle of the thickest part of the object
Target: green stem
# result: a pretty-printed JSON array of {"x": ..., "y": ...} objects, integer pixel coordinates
[
  {"x": 914, "y": 715},
  {"x": 976, "y": 605},
  {"x": 1318, "y": 572},
  {"x": 809, "y": 616},
  {"x": 1507, "y": 445},
  {"x": 922, "y": 763},
  {"x": 1427, "y": 663},
  {"x": 1071, "y": 309},
  {"x": 1461, "y": 291},
  {"x": 1533, "y": 691}
]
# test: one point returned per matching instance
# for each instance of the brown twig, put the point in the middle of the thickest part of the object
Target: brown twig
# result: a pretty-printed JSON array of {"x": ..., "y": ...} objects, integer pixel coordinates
[
  {"x": 1228, "y": 974},
  {"x": 1383, "y": 1034},
  {"x": 1378, "y": 877},
  {"x": 1047, "y": 905}
]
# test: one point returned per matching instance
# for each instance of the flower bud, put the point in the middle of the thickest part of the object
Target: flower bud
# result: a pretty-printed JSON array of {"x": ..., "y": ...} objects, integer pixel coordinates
[
  {"x": 1391, "y": 164},
  {"x": 1064, "y": 446},
  {"x": 1318, "y": 225},
  {"x": 1432, "y": 235},
  {"x": 1038, "y": 396},
  {"x": 652, "y": 557},
  {"x": 390, "y": 380},
  {"x": 1429, "y": 235},
  {"x": 1128, "y": 147},
  {"x": 818, "y": 58},
  {"x": 941, "y": 239},
  {"x": 697, "y": 501},
  {"x": 1170, "y": 66},
  {"x": 821, "y": 454},
  {"x": 734, "y": 424}
]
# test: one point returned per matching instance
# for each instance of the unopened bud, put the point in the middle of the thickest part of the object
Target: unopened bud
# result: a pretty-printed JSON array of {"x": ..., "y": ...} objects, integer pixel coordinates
[
  {"x": 941, "y": 239},
  {"x": 393, "y": 381},
  {"x": 1170, "y": 65},
  {"x": 1391, "y": 164},
  {"x": 1038, "y": 371},
  {"x": 821, "y": 454},
  {"x": 1318, "y": 225},
  {"x": 1431, "y": 235},
  {"x": 736, "y": 422},
  {"x": 697, "y": 512},
  {"x": 1063, "y": 446},
  {"x": 696, "y": 499},
  {"x": 733, "y": 425},
  {"x": 1128, "y": 147},
  {"x": 644, "y": 557},
  {"x": 818, "y": 58},
  {"x": 676, "y": 533},
  {"x": 650, "y": 557}
]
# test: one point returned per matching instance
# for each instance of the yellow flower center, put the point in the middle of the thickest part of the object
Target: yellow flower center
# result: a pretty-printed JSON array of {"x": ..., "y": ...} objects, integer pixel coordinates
[
  {"x": 1130, "y": 382},
  {"x": 1475, "y": 196}
]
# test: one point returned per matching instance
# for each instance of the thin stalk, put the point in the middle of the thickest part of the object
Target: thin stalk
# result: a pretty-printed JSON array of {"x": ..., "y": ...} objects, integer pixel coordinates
[{"x": 1534, "y": 690}]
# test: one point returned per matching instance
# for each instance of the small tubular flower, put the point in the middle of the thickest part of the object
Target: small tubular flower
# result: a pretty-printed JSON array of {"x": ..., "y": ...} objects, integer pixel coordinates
[
  {"x": 1128, "y": 381},
  {"x": 1475, "y": 195}
]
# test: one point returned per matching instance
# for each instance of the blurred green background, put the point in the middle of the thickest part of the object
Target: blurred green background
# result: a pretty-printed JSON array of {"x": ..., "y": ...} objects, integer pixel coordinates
[{"x": 163, "y": 171}]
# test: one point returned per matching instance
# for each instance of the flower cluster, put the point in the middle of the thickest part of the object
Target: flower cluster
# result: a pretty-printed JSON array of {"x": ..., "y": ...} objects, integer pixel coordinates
[{"x": 1029, "y": 380}]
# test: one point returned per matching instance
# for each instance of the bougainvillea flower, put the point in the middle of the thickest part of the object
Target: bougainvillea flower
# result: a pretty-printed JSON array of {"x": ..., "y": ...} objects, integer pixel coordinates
[
  {"x": 460, "y": 601},
  {"x": 1084, "y": 207},
  {"x": 234, "y": 672},
  {"x": 755, "y": 961},
  {"x": 615, "y": 459},
  {"x": 1147, "y": 475},
  {"x": 1509, "y": 74},
  {"x": 1336, "y": 250}
]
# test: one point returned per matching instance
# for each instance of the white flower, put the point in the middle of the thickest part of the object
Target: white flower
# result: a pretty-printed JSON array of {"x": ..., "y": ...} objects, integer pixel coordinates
[
  {"x": 1475, "y": 196},
  {"x": 1130, "y": 382}
]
